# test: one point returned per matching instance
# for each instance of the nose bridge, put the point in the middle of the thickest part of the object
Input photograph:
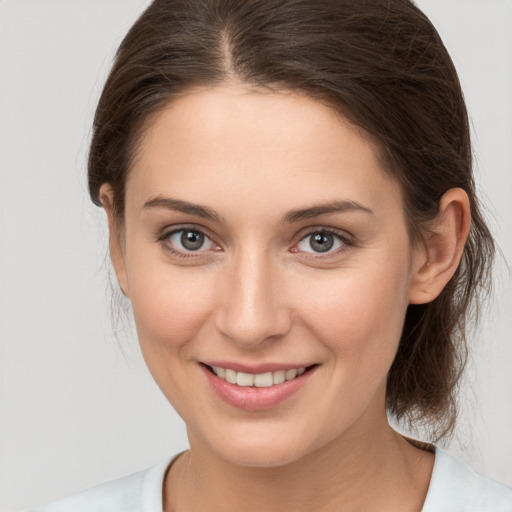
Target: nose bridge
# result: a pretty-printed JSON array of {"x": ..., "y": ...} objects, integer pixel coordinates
[{"x": 252, "y": 310}]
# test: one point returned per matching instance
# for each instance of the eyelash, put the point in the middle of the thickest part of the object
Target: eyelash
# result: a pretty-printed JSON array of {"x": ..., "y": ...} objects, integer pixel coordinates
[
  {"x": 163, "y": 239},
  {"x": 347, "y": 243}
]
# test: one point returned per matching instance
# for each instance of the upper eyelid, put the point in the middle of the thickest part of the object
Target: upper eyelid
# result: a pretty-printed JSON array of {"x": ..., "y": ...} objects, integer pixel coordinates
[
  {"x": 348, "y": 241},
  {"x": 163, "y": 240},
  {"x": 303, "y": 233},
  {"x": 169, "y": 230},
  {"x": 344, "y": 235}
]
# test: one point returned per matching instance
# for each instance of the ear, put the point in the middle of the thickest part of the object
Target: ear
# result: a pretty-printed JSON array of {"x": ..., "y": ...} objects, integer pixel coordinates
[
  {"x": 116, "y": 245},
  {"x": 436, "y": 260}
]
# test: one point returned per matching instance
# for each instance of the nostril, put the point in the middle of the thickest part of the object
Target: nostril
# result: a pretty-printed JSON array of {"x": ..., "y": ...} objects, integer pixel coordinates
[{"x": 255, "y": 327}]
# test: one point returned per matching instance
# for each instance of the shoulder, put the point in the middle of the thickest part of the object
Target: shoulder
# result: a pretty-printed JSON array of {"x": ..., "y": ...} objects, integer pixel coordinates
[
  {"x": 138, "y": 492},
  {"x": 455, "y": 487}
]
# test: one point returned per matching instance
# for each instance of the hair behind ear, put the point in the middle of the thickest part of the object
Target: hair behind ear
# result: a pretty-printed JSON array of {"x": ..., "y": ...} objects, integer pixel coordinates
[{"x": 106, "y": 195}]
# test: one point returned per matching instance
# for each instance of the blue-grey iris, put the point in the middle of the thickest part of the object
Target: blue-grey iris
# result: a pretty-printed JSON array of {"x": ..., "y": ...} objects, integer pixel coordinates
[
  {"x": 321, "y": 242},
  {"x": 192, "y": 240}
]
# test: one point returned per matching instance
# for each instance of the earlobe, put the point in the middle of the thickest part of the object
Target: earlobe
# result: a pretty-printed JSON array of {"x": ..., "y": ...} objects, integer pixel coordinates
[
  {"x": 106, "y": 195},
  {"x": 436, "y": 260}
]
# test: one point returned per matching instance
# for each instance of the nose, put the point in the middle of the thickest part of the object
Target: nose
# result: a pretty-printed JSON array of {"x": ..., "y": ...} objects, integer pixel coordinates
[{"x": 252, "y": 307}]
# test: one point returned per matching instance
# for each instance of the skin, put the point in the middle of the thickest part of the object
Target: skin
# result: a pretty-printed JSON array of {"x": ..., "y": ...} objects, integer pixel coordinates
[{"x": 257, "y": 292}]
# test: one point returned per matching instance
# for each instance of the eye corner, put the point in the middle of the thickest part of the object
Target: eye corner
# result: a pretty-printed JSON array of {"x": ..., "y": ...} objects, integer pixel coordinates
[
  {"x": 341, "y": 242},
  {"x": 173, "y": 240}
]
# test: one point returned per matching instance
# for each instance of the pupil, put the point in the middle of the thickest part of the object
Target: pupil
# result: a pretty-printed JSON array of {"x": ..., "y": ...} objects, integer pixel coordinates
[
  {"x": 322, "y": 242},
  {"x": 192, "y": 240}
]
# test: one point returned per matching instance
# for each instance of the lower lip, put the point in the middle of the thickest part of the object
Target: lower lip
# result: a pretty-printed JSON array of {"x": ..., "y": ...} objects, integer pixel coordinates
[{"x": 252, "y": 398}]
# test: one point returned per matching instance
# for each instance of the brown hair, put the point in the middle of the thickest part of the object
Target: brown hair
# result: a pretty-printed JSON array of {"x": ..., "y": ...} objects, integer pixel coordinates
[{"x": 381, "y": 64}]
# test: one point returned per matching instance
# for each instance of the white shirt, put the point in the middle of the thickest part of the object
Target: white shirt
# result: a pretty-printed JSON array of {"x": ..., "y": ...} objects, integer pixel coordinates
[{"x": 454, "y": 487}]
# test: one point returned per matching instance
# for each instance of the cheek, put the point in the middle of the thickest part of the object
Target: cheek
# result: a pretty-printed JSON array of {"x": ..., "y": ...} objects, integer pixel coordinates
[
  {"x": 360, "y": 314},
  {"x": 359, "y": 321},
  {"x": 171, "y": 311},
  {"x": 170, "y": 304}
]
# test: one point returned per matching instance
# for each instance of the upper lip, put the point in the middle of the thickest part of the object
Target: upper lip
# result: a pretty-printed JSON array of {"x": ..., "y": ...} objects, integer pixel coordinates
[{"x": 256, "y": 368}]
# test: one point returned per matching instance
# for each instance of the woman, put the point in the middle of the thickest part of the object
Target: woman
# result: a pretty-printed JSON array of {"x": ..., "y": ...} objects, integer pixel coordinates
[{"x": 293, "y": 218}]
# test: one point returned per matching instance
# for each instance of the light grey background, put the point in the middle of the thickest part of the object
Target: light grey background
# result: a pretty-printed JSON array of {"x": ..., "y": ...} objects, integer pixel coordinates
[{"x": 73, "y": 410}]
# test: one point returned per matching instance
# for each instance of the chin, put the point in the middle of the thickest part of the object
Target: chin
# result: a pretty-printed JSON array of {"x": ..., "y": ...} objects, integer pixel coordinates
[
  {"x": 262, "y": 447},
  {"x": 261, "y": 456}
]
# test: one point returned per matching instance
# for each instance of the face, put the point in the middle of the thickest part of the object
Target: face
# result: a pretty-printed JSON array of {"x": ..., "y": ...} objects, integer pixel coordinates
[{"x": 263, "y": 242}]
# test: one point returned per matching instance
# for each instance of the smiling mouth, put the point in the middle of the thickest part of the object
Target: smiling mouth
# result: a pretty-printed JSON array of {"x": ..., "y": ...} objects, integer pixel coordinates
[{"x": 259, "y": 380}]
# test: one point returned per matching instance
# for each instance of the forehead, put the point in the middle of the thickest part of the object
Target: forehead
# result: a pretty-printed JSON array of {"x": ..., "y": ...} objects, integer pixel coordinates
[{"x": 236, "y": 146}]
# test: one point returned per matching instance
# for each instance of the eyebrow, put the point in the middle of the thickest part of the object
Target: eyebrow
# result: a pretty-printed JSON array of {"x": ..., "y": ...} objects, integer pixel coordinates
[
  {"x": 325, "y": 209},
  {"x": 290, "y": 217},
  {"x": 183, "y": 206}
]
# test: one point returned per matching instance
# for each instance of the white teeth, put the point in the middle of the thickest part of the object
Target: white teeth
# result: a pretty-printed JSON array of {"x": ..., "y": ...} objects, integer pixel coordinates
[
  {"x": 244, "y": 379},
  {"x": 263, "y": 380},
  {"x": 279, "y": 376},
  {"x": 260, "y": 380},
  {"x": 230, "y": 376},
  {"x": 291, "y": 374}
]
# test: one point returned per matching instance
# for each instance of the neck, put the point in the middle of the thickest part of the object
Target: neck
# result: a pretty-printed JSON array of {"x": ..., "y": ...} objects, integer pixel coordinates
[{"x": 363, "y": 471}]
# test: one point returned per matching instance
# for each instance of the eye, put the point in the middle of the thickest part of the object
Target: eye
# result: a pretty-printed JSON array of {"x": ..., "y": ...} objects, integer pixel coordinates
[
  {"x": 186, "y": 240},
  {"x": 321, "y": 241}
]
